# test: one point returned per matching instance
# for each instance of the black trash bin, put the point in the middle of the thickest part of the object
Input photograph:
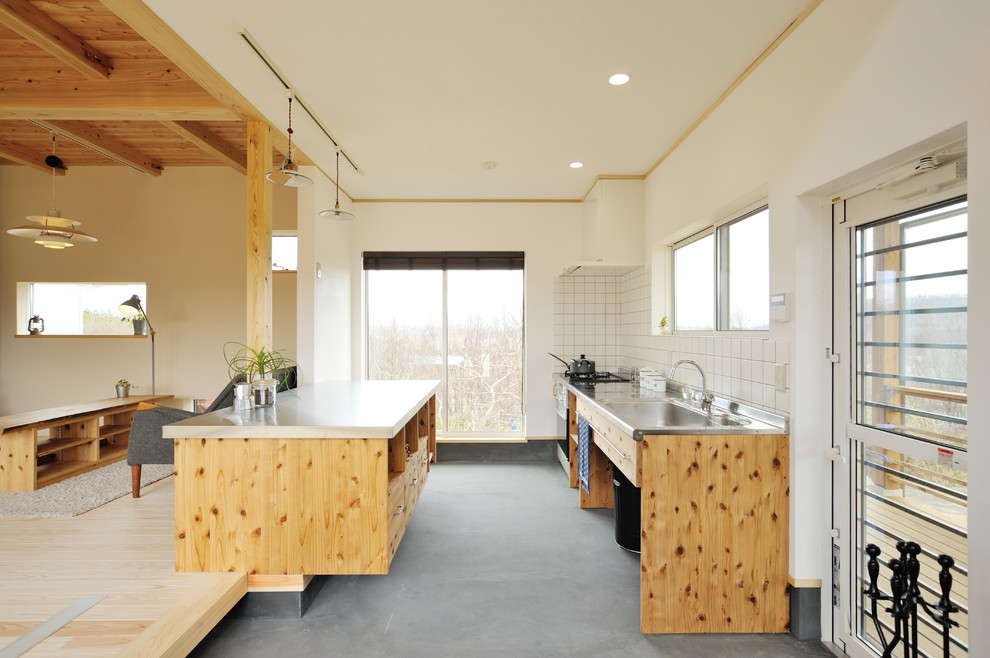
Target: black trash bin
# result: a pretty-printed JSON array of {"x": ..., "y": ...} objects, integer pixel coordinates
[{"x": 626, "y": 501}]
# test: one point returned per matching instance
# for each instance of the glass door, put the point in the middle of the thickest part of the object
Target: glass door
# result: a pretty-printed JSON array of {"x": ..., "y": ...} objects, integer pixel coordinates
[{"x": 899, "y": 410}]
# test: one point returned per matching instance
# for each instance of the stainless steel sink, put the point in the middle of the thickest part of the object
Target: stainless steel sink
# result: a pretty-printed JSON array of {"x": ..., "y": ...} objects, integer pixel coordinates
[{"x": 664, "y": 412}]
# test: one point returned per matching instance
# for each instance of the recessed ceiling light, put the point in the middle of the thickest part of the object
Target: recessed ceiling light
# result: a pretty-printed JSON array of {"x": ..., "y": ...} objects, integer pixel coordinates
[
  {"x": 618, "y": 79},
  {"x": 577, "y": 165}
]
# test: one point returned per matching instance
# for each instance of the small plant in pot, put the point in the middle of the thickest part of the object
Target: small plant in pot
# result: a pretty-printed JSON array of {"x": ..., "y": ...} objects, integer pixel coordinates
[
  {"x": 260, "y": 367},
  {"x": 137, "y": 322},
  {"x": 124, "y": 388}
]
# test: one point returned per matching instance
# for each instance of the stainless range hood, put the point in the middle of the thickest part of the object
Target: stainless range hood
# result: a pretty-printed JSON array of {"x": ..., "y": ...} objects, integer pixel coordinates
[{"x": 599, "y": 268}]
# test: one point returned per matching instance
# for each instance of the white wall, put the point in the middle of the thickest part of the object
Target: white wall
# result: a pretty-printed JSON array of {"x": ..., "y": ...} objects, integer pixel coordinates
[
  {"x": 324, "y": 301},
  {"x": 549, "y": 234},
  {"x": 856, "y": 82}
]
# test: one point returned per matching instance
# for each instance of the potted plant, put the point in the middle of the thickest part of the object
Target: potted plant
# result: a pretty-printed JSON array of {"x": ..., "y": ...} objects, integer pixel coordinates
[
  {"x": 664, "y": 329},
  {"x": 137, "y": 322},
  {"x": 260, "y": 367},
  {"x": 124, "y": 388}
]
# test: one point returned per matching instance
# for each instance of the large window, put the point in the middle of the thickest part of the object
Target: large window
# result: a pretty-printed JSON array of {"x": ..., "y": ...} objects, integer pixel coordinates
[
  {"x": 456, "y": 317},
  {"x": 722, "y": 276},
  {"x": 77, "y": 309}
]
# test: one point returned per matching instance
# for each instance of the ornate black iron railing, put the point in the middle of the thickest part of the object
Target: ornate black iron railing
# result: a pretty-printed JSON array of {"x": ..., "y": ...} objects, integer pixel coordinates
[{"x": 906, "y": 599}]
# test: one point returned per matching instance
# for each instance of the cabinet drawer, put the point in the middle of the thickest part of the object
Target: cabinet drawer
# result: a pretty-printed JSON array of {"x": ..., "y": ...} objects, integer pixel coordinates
[
  {"x": 397, "y": 513},
  {"x": 620, "y": 447},
  {"x": 414, "y": 478}
]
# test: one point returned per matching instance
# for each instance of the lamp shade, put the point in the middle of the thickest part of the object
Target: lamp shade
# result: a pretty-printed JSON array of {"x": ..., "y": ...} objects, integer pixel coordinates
[
  {"x": 132, "y": 306},
  {"x": 52, "y": 231}
]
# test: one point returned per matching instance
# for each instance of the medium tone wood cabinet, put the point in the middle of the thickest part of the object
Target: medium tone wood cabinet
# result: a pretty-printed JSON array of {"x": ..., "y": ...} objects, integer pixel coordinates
[{"x": 39, "y": 448}]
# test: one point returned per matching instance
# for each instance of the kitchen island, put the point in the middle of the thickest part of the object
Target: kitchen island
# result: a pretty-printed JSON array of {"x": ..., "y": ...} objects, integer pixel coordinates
[
  {"x": 324, "y": 482},
  {"x": 714, "y": 509}
]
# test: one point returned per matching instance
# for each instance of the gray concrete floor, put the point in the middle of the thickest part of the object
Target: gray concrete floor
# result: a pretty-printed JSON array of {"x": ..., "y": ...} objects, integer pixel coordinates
[{"x": 497, "y": 560}]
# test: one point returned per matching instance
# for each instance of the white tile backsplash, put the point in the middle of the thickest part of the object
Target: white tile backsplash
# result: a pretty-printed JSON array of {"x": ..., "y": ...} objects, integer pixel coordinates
[{"x": 608, "y": 319}]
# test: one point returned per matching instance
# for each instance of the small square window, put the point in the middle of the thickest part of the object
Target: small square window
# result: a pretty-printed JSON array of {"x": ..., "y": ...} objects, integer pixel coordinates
[
  {"x": 722, "y": 276},
  {"x": 285, "y": 253}
]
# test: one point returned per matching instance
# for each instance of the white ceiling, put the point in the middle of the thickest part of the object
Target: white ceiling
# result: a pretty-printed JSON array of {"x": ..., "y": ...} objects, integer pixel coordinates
[{"x": 422, "y": 94}]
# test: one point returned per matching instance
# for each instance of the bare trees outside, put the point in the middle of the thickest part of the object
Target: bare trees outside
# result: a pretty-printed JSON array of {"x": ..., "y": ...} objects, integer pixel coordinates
[{"x": 481, "y": 326}]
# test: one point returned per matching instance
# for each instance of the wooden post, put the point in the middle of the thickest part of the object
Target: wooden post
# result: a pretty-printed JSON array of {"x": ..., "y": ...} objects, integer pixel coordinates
[{"x": 259, "y": 235}]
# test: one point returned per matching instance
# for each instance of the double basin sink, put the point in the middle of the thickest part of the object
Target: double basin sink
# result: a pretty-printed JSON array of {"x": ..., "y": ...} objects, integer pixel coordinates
[{"x": 657, "y": 413}]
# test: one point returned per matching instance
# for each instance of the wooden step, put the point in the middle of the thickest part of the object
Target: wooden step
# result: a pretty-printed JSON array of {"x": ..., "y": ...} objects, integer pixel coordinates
[{"x": 185, "y": 624}]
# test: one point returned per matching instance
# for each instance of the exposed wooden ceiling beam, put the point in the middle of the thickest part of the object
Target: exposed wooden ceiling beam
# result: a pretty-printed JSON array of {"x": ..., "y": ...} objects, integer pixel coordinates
[
  {"x": 141, "y": 89},
  {"x": 42, "y": 30},
  {"x": 26, "y": 157},
  {"x": 156, "y": 32},
  {"x": 94, "y": 139},
  {"x": 200, "y": 135}
]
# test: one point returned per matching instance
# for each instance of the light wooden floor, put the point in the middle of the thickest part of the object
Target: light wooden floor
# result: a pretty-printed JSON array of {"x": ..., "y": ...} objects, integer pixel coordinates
[{"x": 124, "y": 550}]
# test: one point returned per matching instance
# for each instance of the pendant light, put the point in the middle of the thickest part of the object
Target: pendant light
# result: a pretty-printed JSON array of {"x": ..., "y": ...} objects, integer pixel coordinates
[
  {"x": 52, "y": 230},
  {"x": 337, "y": 213},
  {"x": 287, "y": 174}
]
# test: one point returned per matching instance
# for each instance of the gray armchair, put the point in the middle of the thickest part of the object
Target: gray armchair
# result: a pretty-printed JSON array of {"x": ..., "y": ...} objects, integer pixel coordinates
[{"x": 146, "y": 445}]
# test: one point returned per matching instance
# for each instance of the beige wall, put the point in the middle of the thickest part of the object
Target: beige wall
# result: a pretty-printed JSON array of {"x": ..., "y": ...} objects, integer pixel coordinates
[{"x": 182, "y": 233}]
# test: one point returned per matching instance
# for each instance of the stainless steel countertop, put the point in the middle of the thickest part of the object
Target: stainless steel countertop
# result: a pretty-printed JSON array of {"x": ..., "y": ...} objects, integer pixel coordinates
[
  {"x": 327, "y": 410},
  {"x": 761, "y": 422}
]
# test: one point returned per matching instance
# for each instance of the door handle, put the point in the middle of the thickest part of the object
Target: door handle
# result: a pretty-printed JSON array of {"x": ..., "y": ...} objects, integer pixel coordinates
[{"x": 835, "y": 454}]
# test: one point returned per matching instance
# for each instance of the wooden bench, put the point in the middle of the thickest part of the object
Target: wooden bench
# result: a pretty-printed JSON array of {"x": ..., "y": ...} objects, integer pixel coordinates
[{"x": 42, "y": 447}]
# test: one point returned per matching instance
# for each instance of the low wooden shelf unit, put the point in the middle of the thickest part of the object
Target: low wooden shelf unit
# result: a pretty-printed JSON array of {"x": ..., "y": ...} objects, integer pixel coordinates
[{"x": 42, "y": 447}]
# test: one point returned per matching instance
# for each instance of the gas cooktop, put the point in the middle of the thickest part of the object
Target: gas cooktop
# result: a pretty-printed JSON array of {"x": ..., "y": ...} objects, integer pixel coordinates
[{"x": 593, "y": 378}]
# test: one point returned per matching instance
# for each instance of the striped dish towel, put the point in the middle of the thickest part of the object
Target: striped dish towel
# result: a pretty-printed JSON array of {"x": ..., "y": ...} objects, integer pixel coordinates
[{"x": 584, "y": 435}]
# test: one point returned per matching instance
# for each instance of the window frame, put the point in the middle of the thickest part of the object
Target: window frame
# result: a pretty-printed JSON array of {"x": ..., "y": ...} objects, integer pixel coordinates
[
  {"x": 25, "y": 307},
  {"x": 720, "y": 264},
  {"x": 445, "y": 262}
]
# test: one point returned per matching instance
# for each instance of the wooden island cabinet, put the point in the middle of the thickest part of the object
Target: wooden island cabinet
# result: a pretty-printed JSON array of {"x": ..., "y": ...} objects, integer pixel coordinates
[{"x": 324, "y": 482}]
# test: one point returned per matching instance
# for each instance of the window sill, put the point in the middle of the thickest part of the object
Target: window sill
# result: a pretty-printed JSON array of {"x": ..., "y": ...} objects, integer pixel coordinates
[
  {"x": 482, "y": 439},
  {"x": 80, "y": 335}
]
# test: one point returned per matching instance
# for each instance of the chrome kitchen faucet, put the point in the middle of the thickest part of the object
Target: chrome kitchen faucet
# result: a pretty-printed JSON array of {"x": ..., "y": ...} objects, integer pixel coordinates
[{"x": 706, "y": 397}]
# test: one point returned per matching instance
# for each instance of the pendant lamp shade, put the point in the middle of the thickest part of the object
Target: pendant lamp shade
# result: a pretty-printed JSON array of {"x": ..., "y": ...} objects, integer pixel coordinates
[
  {"x": 287, "y": 174},
  {"x": 51, "y": 230},
  {"x": 337, "y": 213}
]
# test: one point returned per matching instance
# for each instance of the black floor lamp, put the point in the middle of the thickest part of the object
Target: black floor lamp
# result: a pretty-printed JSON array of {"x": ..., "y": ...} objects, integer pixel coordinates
[{"x": 133, "y": 308}]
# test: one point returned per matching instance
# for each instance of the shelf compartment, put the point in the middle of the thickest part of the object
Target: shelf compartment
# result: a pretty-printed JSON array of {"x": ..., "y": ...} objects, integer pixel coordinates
[{"x": 57, "y": 445}]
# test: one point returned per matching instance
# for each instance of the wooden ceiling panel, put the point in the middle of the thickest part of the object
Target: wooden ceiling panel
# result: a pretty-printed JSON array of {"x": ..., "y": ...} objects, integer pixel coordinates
[{"x": 148, "y": 111}]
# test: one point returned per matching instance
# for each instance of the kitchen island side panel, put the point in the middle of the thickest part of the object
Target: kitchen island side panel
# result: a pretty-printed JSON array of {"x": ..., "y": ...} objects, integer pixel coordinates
[
  {"x": 714, "y": 544},
  {"x": 281, "y": 506}
]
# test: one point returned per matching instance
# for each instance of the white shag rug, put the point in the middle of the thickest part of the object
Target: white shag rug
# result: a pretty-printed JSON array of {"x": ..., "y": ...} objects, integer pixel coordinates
[{"x": 78, "y": 494}]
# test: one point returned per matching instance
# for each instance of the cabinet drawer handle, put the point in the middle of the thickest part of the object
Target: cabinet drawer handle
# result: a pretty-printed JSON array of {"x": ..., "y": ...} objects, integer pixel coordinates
[
  {"x": 621, "y": 454},
  {"x": 415, "y": 480},
  {"x": 400, "y": 510}
]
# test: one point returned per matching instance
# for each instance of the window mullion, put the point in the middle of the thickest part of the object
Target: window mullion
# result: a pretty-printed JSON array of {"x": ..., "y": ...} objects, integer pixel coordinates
[{"x": 444, "y": 359}]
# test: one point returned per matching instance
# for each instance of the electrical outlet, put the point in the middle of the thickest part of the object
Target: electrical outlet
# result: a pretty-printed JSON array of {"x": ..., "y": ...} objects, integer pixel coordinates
[{"x": 780, "y": 376}]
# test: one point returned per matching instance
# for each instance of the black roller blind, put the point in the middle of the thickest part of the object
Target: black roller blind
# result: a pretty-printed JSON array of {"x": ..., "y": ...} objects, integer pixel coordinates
[{"x": 443, "y": 260}]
